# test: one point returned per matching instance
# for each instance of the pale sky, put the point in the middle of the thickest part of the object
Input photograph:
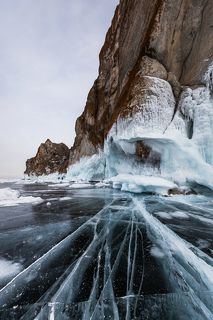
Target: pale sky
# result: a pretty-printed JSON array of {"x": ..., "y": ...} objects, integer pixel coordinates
[{"x": 48, "y": 62}]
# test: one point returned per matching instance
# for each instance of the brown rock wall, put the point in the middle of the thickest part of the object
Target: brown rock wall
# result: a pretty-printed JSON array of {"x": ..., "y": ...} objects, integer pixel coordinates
[{"x": 161, "y": 38}]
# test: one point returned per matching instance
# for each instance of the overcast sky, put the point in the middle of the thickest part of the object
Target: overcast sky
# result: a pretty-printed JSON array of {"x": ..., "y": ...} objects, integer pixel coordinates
[{"x": 48, "y": 62}]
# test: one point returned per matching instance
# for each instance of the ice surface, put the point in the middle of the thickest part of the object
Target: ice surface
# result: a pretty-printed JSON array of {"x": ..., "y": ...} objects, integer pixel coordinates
[
  {"x": 64, "y": 199},
  {"x": 120, "y": 262},
  {"x": 59, "y": 185},
  {"x": 182, "y": 265},
  {"x": 80, "y": 185},
  {"x": 10, "y": 197}
]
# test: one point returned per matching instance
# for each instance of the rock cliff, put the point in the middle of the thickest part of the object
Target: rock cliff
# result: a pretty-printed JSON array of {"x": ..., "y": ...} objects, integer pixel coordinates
[
  {"x": 164, "y": 39},
  {"x": 154, "y": 83},
  {"x": 51, "y": 157}
]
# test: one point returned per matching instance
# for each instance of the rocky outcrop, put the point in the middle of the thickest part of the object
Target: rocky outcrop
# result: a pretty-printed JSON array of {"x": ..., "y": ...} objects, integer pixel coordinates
[
  {"x": 50, "y": 158},
  {"x": 154, "y": 53},
  {"x": 165, "y": 39}
]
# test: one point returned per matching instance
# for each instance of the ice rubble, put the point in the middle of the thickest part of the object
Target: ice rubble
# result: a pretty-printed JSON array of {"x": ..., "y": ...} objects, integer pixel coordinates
[{"x": 10, "y": 197}]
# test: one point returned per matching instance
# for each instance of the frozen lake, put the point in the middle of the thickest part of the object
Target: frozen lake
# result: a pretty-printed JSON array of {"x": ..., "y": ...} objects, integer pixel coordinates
[{"x": 92, "y": 253}]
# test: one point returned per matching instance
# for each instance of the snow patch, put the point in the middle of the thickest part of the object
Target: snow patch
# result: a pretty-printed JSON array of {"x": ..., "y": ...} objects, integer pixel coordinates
[
  {"x": 59, "y": 185},
  {"x": 10, "y": 197},
  {"x": 179, "y": 214},
  {"x": 9, "y": 269},
  {"x": 163, "y": 215},
  {"x": 156, "y": 252},
  {"x": 65, "y": 199},
  {"x": 25, "y": 181},
  {"x": 102, "y": 185},
  {"x": 8, "y": 180}
]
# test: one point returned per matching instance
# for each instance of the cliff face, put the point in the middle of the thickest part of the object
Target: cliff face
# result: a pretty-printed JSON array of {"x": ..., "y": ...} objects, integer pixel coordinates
[
  {"x": 51, "y": 157},
  {"x": 153, "y": 90},
  {"x": 164, "y": 39}
]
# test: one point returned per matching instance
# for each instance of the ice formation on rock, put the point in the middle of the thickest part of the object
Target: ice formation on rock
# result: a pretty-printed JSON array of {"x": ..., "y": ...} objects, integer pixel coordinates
[
  {"x": 141, "y": 183},
  {"x": 150, "y": 111},
  {"x": 88, "y": 169},
  {"x": 153, "y": 142},
  {"x": 156, "y": 141}
]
